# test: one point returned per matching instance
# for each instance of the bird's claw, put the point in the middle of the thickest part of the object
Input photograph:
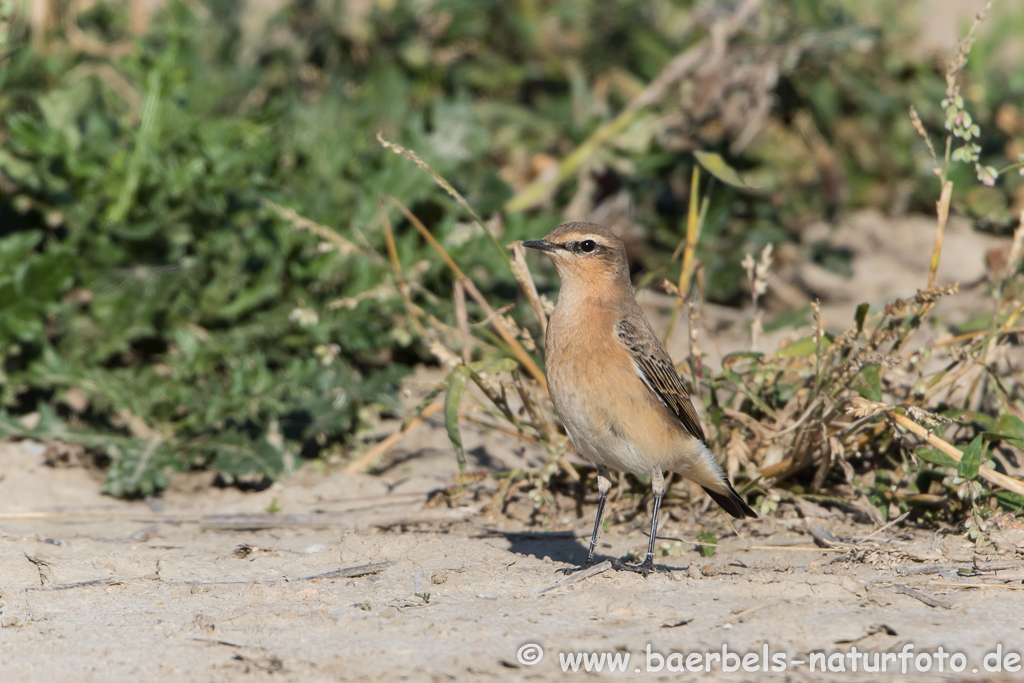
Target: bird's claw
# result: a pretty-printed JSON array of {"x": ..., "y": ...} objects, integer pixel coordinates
[{"x": 644, "y": 568}]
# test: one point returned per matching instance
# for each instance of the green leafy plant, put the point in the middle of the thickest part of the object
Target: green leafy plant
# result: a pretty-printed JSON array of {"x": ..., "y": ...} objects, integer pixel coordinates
[
  {"x": 191, "y": 244},
  {"x": 709, "y": 537}
]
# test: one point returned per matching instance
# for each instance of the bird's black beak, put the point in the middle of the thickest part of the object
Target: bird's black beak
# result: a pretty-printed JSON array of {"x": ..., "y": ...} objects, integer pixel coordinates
[{"x": 543, "y": 245}]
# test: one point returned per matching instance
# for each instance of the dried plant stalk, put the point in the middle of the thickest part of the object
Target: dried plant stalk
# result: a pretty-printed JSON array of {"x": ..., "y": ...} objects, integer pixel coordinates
[
  {"x": 367, "y": 458},
  {"x": 344, "y": 246},
  {"x": 495, "y": 320},
  {"x": 943, "y": 216},
  {"x": 446, "y": 186},
  {"x": 459, "y": 294},
  {"x": 525, "y": 279},
  {"x": 987, "y": 473},
  {"x": 689, "y": 245}
]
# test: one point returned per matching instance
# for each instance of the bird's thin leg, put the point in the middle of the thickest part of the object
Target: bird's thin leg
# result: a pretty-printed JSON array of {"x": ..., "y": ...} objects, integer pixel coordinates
[
  {"x": 658, "y": 487},
  {"x": 604, "y": 485}
]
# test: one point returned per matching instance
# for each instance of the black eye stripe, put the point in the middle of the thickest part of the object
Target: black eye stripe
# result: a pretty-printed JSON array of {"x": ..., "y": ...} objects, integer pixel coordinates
[{"x": 584, "y": 246}]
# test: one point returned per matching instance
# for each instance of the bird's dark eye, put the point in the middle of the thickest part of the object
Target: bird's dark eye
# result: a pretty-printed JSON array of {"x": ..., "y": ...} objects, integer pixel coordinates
[{"x": 587, "y": 246}]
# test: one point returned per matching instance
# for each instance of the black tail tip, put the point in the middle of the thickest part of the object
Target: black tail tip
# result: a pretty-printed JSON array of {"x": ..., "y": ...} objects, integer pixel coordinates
[{"x": 731, "y": 502}]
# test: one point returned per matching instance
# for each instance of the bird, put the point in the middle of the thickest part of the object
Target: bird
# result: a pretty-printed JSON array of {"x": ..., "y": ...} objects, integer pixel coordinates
[{"x": 612, "y": 383}]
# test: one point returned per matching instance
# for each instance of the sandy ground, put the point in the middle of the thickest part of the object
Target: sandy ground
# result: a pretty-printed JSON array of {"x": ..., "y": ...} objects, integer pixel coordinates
[
  {"x": 105, "y": 590},
  {"x": 360, "y": 577}
]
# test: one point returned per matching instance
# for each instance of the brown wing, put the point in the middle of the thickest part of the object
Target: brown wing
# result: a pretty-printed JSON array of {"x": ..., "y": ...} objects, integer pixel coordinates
[{"x": 659, "y": 374}]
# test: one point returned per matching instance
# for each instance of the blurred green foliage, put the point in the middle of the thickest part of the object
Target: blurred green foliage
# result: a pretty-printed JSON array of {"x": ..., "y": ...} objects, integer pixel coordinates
[{"x": 156, "y": 308}]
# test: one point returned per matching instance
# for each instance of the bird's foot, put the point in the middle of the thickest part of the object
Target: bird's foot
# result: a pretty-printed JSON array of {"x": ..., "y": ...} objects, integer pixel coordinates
[{"x": 644, "y": 568}]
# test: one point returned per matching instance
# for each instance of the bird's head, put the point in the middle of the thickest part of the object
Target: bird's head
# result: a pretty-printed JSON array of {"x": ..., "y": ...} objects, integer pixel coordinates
[{"x": 585, "y": 254}]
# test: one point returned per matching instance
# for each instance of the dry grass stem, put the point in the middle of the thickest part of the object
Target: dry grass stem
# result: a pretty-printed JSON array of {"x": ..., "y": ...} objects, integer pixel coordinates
[
  {"x": 942, "y": 207},
  {"x": 990, "y": 475},
  {"x": 919, "y": 127},
  {"x": 696, "y": 357},
  {"x": 446, "y": 186},
  {"x": 688, "y": 247},
  {"x": 496, "y": 321},
  {"x": 367, "y": 458},
  {"x": 459, "y": 294},
  {"x": 757, "y": 280},
  {"x": 415, "y": 312},
  {"x": 521, "y": 271},
  {"x": 963, "y": 48},
  {"x": 344, "y": 246}
]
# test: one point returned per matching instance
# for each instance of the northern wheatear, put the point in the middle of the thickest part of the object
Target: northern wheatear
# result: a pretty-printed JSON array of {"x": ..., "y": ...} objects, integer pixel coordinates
[{"x": 613, "y": 383}]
